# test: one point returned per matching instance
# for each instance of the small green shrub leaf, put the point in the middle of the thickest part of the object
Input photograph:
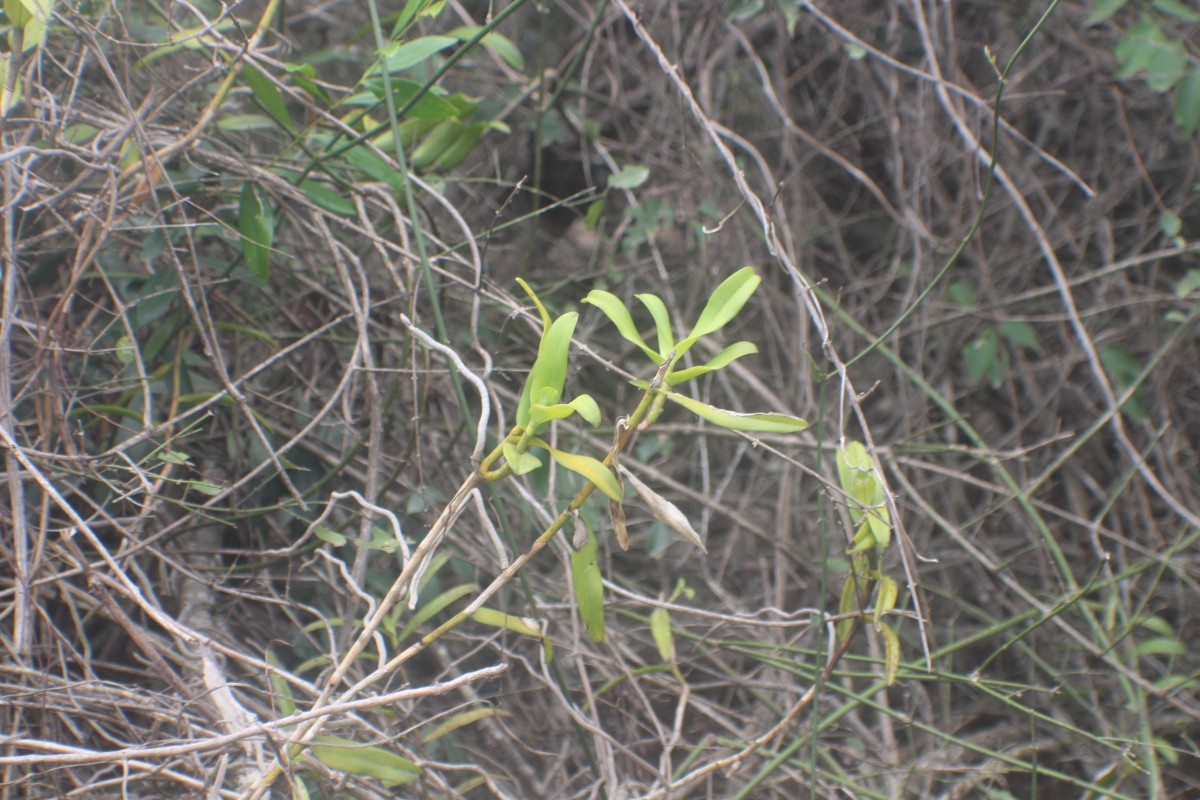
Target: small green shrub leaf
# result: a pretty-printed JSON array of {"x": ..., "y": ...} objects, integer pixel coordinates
[
  {"x": 628, "y": 177},
  {"x": 1187, "y": 101},
  {"x": 374, "y": 166},
  {"x": 589, "y": 586},
  {"x": 1178, "y": 9},
  {"x": 1103, "y": 9},
  {"x": 1020, "y": 333},
  {"x": 982, "y": 357},
  {"x": 848, "y": 604},
  {"x": 304, "y": 76},
  {"x": 1170, "y": 223},
  {"x": 374, "y": 762}
]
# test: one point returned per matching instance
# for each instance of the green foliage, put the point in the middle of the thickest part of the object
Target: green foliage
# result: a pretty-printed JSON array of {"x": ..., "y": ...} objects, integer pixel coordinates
[
  {"x": 859, "y": 481},
  {"x": 1150, "y": 50},
  {"x": 390, "y": 769},
  {"x": 589, "y": 585},
  {"x": 987, "y": 353},
  {"x": 722, "y": 307}
]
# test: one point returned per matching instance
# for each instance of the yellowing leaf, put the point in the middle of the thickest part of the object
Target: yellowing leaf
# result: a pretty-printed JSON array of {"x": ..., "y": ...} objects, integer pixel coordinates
[
  {"x": 664, "y": 510},
  {"x": 738, "y": 421},
  {"x": 891, "y": 654},
  {"x": 616, "y": 513},
  {"x": 525, "y": 627},
  {"x": 588, "y": 467}
]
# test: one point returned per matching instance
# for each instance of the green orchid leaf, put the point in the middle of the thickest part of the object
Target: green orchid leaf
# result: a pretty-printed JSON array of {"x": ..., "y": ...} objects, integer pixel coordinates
[
  {"x": 848, "y": 604},
  {"x": 724, "y": 304},
  {"x": 587, "y": 408},
  {"x": 662, "y": 321},
  {"x": 660, "y": 629},
  {"x": 864, "y": 540},
  {"x": 880, "y": 525},
  {"x": 619, "y": 315},
  {"x": 583, "y": 405},
  {"x": 891, "y": 654},
  {"x": 886, "y": 593},
  {"x": 537, "y": 302},
  {"x": 588, "y": 467},
  {"x": 549, "y": 371},
  {"x": 589, "y": 586},
  {"x": 347, "y": 755},
  {"x": 721, "y": 359},
  {"x": 738, "y": 421},
  {"x": 521, "y": 463}
]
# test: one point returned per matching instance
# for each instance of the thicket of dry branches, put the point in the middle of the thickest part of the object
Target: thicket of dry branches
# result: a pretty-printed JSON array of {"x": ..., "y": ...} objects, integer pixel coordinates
[{"x": 174, "y": 430}]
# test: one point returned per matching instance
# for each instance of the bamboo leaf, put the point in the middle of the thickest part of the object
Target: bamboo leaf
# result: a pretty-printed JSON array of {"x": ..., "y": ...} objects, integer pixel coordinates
[
  {"x": 374, "y": 762},
  {"x": 268, "y": 96},
  {"x": 256, "y": 224},
  {"x": 429, "y": 609}
]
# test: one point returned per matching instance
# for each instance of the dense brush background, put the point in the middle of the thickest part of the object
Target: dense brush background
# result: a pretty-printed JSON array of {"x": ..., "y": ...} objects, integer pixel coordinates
[{"x": 176, "y": 415}]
